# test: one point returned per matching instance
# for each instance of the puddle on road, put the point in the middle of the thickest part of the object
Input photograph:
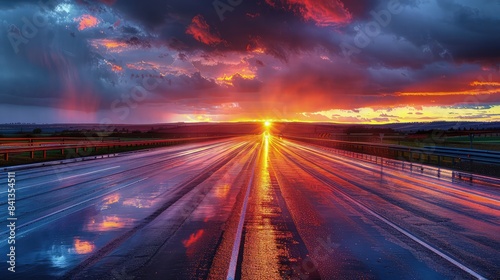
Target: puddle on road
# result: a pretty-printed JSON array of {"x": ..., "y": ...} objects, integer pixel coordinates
[{"x": 56, "y": 247}]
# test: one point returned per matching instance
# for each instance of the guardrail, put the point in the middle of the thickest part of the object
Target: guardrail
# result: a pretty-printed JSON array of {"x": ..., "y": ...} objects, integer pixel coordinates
[
  {"x": 55, "y": 139},
  {"x": 470, "y": 160},
  {"x": 422, "y": 169},
  {"x": 96, "y": 145}
]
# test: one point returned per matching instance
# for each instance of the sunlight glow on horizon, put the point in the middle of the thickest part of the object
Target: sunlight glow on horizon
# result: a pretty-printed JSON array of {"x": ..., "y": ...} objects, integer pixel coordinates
[{"x": 376, "y": 115}]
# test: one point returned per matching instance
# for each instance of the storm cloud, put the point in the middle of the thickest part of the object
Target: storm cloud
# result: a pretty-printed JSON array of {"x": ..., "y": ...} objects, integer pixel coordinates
[{"x": 225, "y": 60}]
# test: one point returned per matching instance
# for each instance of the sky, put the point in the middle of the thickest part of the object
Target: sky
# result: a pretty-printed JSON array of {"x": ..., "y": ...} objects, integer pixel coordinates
[{"x": 157, "y": 61}]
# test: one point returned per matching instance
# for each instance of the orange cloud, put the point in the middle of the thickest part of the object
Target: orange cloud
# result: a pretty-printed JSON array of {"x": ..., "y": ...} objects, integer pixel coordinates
[
  {"x": 476, "y": 83},
  {"x": 228, "y": 80},
  {"x": 408, "y": 114},
  {"x": 200, "y": 30},
  {"x": 87, "y": 21},
  {"x": 109, "y": 44},
  {"x": 323, "y": 12},
  {"x": 116, "y": 68},
  {"x": 446, "y": 93}
]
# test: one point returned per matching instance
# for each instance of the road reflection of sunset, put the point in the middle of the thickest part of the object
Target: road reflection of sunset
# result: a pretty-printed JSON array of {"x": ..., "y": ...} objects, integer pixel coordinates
[
  {"x": 138, "y": 202},
  {"x": 193, "y": 238},
  {"x": 107, "y": 223},
  {"x": 222, "y": 191},
  {"x": 83, "y": 247}
]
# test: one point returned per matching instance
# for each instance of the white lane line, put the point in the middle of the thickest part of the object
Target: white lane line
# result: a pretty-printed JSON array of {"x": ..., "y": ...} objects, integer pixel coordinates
[
  {"x": 65, "y": 178},
  {"x": 368, "y": 167},
  {"x": 88, "y": 173},
  {"x": 401, "y": 230},
  {"x": 69, "y": 207},
  {"x": 406, "y": 233},
  {"x": 231, "y": 274},
  {"x": 419, "y": 241}
]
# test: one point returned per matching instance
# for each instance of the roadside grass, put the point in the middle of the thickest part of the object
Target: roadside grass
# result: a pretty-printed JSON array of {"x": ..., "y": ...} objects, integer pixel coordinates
[
  {"x": 480, "y": 143},
  {"x": 54, "y": 155}
]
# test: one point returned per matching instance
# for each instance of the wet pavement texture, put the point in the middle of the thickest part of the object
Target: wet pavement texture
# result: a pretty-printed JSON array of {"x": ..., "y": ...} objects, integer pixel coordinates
[{"x": 253, "y": 207}]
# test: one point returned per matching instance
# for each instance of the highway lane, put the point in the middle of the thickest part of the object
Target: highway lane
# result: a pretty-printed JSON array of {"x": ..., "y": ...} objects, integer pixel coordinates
[
  {"x": 254, "y": 207},
  {"x": 77, "y": 210},
  {"x": 459, "y": 221}
]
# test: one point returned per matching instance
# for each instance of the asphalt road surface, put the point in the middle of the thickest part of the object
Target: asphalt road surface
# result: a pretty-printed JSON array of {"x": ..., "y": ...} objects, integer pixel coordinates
[{"x": 254, "y": 207}]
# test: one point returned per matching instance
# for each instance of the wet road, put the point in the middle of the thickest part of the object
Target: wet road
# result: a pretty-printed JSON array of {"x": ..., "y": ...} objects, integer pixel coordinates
[{"x": 254, "y": 207}]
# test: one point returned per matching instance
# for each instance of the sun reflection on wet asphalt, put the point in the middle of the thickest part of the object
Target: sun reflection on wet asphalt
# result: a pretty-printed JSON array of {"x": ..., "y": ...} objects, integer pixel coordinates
[
  {"x": 289, "y": 210},
  {"x": 260, "y": 259}
]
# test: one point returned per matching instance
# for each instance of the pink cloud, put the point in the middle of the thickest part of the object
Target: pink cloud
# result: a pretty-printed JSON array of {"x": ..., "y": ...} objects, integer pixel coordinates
[
  {"x": 323, "y": 12},
  {"x": 200, "y": 30}
]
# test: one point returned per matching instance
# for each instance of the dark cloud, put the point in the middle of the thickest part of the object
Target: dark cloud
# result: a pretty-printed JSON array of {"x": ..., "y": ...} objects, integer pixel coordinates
[
  {"x": 261, "y": 55},
  {"x": 245, "y": 85},
  {"x": 282, "y": 31},
  {"x": 459, "y": 30}
]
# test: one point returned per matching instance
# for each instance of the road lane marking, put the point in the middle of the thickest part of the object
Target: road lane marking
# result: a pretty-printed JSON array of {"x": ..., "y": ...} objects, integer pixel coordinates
[
  {"x": 88, "y": 173},
  {"x": 170, "y": 156},
  {"x": 414, "y": 238},
  {"x": 231, "y": 274},
  {"x": 143, "y": 166},
  {"x": 66, "y": 178},
  {"x": 72, "y": 206},
  {"x": 182, "y": 189},
  {"x": 370, "y": 167},
  {"x": 399, "y": 229}
]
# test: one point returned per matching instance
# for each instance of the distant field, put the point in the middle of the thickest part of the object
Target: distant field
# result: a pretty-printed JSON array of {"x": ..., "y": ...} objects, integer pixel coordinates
[
  {"x": 481, "y": 143},
  {"x": 451, "y": 161}
]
